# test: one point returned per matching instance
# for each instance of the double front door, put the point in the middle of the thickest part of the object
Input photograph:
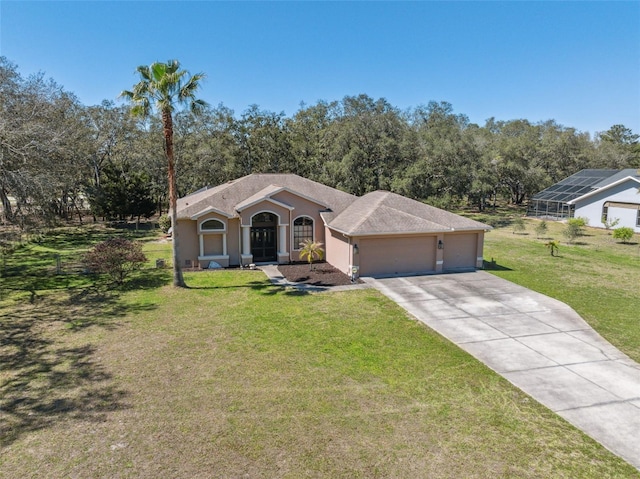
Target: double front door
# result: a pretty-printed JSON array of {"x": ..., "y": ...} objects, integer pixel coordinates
[{"x": 263, "y": 244}]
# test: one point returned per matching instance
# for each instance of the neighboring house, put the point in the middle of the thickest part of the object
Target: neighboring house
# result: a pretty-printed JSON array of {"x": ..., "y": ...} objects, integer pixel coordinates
[
  {"x": 616, "y": 198},
  {"x": 264, "y": 218},
  {"x": 592, "y": 194}
]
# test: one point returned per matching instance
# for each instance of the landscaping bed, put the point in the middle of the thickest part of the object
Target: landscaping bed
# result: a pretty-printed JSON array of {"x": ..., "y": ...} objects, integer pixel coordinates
[{"x": 321, "y": 274}]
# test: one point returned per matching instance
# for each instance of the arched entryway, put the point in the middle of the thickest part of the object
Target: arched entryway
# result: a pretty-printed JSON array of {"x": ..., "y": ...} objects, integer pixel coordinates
[{"x": 264, "y": 238}]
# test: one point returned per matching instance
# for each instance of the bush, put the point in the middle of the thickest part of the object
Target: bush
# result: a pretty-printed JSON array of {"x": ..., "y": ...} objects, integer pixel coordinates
[
  {"x": 541, "y": 229},
  {"x": 581, "y": 221},
  {"x": 625, "y": 234},
  {"x": 610, "y": 223},
  {"x": 518, "y": 225},
  {"x": 117, "y": 257},
  {"x": 575, "y": 228},
  {"x": 571, "y": 232},
  {"x": 164, "y": 222}
]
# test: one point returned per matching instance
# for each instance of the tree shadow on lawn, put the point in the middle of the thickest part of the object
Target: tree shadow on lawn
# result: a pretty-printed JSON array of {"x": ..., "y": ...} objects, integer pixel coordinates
[
  {"x": 46, "y": 378},
  {"x": 494, "y": 266},
  {"x": 70, "y": 239},
  {"x": 262, "y": 286}
]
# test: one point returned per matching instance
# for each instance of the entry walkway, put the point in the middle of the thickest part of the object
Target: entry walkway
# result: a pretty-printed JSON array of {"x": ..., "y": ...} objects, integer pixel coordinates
[{"x": 539, "y": 344}]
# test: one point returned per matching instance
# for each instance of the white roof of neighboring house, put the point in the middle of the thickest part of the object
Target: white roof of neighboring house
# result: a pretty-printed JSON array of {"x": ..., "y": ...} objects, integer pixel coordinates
[
  {"x": 605, "y": 186},
  {"x": 379, "y": 212}
]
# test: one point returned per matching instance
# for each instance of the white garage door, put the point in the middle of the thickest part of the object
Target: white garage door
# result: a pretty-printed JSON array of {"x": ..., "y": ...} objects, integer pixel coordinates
[
  {"x": 460, "y": 251},
  {"x": 387, "y": 256}
]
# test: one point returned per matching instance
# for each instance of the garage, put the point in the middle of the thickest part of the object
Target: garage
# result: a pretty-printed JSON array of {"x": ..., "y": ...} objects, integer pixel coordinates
[
  {"x": 397, "y": 254},
  {"x": 460, "y": 251}
]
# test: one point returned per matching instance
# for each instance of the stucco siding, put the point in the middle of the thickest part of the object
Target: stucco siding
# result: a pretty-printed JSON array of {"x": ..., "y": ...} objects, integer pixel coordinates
[
  {"x": 460, "y": 251},
  {"x": 233, "y": 241},
  {"x": 626, "y": 192},
  {"x": 302, "y": 207},
  {"x": 337, "y": 250},
  {"x": 391, "y": 255},
  {"x": 187, "y": 241},
  {"x": 265, "y": 206}
]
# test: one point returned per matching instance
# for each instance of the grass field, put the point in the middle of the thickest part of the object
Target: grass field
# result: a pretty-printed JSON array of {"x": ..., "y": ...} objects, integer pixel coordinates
[{"x": 236, "y": 378}]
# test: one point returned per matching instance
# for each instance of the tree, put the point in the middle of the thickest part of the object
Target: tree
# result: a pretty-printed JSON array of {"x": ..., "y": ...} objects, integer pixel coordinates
[
  {"x": 573, "y": 229},
  {"x": 609, "y": 223},
  {"x": 311, "y": 250},
  {"x": 44, "y": 140},
  {"x": 519, "y": 225},
  {"x": 618, "y": 147},
  {"x": 162, "y": 87},
  {"x": 620, "y": 134},
  {"x": 122, "y": 193},
  {"x": 541, "y": 229},
  {"x": 554, "y": 246},
  {"x": 625, "y": 234},
  {"x": 117, "y": 257}
]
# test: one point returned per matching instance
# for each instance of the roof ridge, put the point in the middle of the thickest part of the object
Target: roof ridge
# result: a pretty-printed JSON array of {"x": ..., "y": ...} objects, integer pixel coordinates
[
  {"x": 375, "y": 206},
  {"x": 420, "y": 218}
]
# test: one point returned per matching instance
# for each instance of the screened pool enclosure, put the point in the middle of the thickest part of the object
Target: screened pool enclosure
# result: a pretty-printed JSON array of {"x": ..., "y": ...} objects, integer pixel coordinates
[{"x": 552, "y": 202}]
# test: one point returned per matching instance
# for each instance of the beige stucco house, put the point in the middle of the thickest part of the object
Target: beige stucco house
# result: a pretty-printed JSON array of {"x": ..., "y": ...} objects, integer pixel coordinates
[{"x": 264, "y": 218}]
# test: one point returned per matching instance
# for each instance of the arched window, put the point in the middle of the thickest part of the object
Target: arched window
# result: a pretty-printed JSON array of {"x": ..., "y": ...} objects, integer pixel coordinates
[
  {"x": 212, "y": 225},
  {"x": 302, "y": 230}
]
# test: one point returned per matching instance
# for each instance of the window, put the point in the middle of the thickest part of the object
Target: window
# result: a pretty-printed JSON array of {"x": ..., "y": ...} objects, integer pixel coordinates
[
  {"x": 638, "y": 218},
  {"x": 302, "y": 230},
  {"x": 212, "y": 225},
  {"x": 605, "y": 212}
]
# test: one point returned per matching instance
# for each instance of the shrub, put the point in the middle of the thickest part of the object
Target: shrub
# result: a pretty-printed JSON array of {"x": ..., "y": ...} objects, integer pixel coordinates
[
  {"x": 164, "y": 222},
  {"x": 625, "y": 234},
  {"x": 117, "y": 257},
  {"x": 519, "y": 225},
  {"x": 610, "y": 223},
  {"x": 572, "y": 231},
  {"x": 580, "y": 221},
  {"x": 541, "y": 229},
  {"x": 575, "y": 228}
]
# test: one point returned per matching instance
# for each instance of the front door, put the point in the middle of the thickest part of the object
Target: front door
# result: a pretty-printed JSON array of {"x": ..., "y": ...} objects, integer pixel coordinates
[
  {"x": 263, "y": 237},
  {"x": 263, "y": 244}
]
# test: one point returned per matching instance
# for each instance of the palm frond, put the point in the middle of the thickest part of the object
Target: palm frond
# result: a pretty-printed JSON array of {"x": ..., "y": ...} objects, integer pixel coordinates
[{"x": 198, "y": 107}]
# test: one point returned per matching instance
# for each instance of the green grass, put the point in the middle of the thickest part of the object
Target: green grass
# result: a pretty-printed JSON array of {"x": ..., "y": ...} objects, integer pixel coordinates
[
  {"x": 596, "y": 275},
  {"x": 236, "y": 378}
]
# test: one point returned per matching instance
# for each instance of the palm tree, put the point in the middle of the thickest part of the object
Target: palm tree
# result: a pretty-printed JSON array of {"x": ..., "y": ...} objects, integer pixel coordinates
[
  {"x": 553, "y": 245},
  {"x": 311, "y": 250},
  {"x": 162, "y": 87}
]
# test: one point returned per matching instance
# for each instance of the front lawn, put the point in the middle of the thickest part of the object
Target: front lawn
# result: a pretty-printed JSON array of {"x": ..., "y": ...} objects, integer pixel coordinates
[{"x": 237, "y": 378}]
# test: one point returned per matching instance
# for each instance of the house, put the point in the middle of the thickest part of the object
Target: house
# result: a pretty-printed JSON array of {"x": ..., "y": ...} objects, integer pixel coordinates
[
  {"x": 617, "y": 197},
  {"x": 592, "y": 194},
  {"x": 264, "y": 218}
]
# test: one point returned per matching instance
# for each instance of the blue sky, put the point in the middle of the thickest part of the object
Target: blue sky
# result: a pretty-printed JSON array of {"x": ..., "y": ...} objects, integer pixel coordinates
[{"x": 575, "y": 62}]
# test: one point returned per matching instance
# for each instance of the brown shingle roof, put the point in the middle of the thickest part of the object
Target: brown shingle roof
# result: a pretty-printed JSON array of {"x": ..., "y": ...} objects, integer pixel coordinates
[
  {"x": 383, "y": 212},
  {"x": 228, "y": 196},
  {"x": 379, "y": 212}
]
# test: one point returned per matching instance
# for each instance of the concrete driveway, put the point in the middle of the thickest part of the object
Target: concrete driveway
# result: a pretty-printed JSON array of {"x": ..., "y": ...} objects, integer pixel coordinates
[{"x": 539, "y": 344}]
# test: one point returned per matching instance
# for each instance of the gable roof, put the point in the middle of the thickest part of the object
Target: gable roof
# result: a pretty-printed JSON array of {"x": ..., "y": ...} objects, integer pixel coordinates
[
  {"x": 616, "y": 177},
  {"x": 235, "y": 195},
  {"x": 582, "y": 183},
  {"x": 383, "y": 212},
  {"x": 606, "y": 186}
]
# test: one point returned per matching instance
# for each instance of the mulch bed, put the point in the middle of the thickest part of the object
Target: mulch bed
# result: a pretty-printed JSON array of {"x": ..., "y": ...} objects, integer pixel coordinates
[{"x": 322, "y": 274}]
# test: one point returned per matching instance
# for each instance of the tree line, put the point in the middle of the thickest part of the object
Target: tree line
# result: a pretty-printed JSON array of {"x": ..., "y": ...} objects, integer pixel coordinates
[{"x": 57, "y": 156}]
